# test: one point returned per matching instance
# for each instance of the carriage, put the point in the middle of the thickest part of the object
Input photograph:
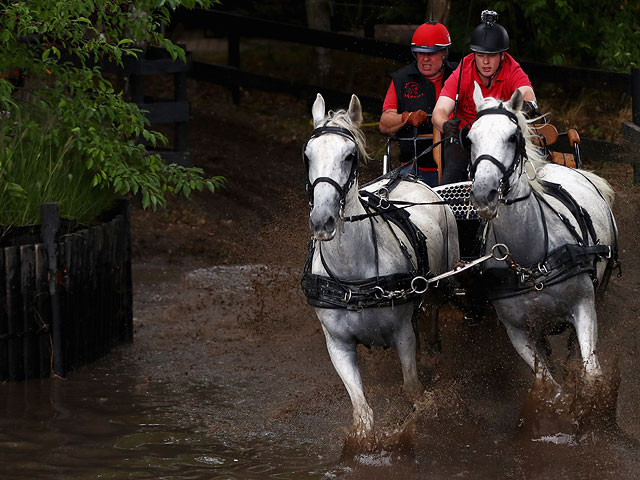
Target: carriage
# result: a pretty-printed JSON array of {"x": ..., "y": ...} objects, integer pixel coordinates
[{"x": 382, "y": 251}]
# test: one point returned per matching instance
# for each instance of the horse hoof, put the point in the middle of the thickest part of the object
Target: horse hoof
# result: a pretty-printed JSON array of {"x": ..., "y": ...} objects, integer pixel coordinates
[{"x": 413, "y": 392}]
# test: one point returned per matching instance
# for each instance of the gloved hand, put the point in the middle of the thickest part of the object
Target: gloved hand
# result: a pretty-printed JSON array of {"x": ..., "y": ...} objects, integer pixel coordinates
[
  {"x": 450, "y": 128},
  {"x": 530, "y": 110},
  {"x": 416, "y": 118}
]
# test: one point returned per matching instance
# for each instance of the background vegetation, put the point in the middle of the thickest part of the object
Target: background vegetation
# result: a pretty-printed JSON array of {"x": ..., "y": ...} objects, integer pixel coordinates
[
  {"x": 587, "y": 33},
  {"x": 66, "y": 134},
  {"x": 601, "y": 35}
]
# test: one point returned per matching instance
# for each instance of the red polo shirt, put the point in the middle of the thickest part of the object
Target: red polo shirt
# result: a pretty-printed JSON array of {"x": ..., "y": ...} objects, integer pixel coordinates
[{"x": 510, "y": 76}]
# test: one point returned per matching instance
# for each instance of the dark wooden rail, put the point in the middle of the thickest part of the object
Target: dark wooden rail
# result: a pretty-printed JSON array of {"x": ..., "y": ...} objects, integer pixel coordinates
[
  {"x": 235, "y": 26},
  {"x": 65, "y": 306}
]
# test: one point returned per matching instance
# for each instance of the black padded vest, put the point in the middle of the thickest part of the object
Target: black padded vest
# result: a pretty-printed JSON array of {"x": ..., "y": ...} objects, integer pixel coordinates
[{"x": 415, "y": 92}]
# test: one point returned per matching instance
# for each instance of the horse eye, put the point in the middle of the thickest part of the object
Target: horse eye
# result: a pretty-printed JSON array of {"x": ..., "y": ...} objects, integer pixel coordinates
[{"x": 513, "y": 138}]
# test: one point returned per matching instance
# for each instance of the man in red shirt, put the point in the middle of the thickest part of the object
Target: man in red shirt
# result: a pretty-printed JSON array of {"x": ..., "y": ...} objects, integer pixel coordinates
[
  {"x": 498, "y": 75},
  {"x": 412, "y": 95}
]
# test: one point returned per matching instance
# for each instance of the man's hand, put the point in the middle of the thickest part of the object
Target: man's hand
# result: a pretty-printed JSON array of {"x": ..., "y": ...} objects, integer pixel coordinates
[
  {"x": 530, "y": 110},
  {"x": 416, "y": 118},
  {"x": 451, "y": 127}
]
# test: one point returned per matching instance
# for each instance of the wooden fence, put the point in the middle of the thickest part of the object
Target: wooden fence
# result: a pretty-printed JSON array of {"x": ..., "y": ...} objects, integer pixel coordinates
[
  {"x": 67, "y": 300},
  {"x": 234, "y": 27}
]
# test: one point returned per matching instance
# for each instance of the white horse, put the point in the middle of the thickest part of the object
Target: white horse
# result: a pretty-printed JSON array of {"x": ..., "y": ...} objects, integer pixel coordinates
[
  {"x": 363, "y": 272},
  {"x": 555, "y": 232}
]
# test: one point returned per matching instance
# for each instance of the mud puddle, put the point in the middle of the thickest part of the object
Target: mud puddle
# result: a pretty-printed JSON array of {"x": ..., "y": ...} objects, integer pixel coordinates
[{"x": 228, "y": 377}]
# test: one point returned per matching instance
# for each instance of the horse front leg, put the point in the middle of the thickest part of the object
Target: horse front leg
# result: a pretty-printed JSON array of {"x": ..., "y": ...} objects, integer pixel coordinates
[
  {"x": 405, "y": 346},
  {"x": 584, "y": 321},
  {"x": 345, "y": 361},
  {"x": 526, "y": 348}
]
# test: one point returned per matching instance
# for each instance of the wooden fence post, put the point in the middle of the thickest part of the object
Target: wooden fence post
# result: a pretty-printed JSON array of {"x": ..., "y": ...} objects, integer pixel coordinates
[
  {"x": 50, "y": 223},
  {"x": 635, "y": 95},
  {"x": 233, "y": 60}
]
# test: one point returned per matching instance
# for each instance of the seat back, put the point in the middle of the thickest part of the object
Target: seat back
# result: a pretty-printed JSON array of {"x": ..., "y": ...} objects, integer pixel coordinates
[{"x": 544, "y": 134}]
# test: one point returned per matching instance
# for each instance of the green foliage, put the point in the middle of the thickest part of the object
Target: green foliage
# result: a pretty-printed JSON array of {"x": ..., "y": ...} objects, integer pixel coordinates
[
  {"x": 68, "y": 114},
  {"x": 37, "y": 167},
  {"x": 587, "y": 33}
]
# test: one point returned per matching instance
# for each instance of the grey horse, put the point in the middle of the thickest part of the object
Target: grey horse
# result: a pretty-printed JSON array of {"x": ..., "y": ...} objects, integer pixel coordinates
[
  {"x": 555, "y": 236},
  {"x": 351, "y": 244}
]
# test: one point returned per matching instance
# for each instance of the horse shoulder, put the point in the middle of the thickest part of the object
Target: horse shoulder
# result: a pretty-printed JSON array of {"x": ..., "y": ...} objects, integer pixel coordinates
[{"x": 585, "y": 194}]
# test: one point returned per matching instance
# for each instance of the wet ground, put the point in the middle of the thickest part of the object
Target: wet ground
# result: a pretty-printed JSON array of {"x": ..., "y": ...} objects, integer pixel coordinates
[{"x": 228, "y": 375}]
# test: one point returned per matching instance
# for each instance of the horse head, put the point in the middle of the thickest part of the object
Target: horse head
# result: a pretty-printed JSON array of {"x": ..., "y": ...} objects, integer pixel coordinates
[
  {"x": 331, "y": 158},
  {"x": 498, "y": 142}
]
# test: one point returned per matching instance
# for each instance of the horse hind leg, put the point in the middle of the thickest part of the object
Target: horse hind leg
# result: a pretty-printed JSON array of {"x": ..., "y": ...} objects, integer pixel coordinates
[
  {"x": 405, "y": 346},
  {"x": 427, "y": 329},
  {"x": 344, "y": 359}
]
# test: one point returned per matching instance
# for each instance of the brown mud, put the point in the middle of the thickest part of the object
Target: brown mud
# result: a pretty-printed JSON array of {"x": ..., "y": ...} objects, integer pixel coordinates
[
  {"x": 229, "y": 377},
  {"x": 477, "y": 418}
]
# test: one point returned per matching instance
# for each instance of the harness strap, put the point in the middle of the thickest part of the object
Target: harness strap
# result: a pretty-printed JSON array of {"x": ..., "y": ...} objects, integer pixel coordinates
[
  {"x": 386, "y": 290},
  {"x": 579, "y": 213},
  {"x": 325, "y": 292},
  {"x": 558, "y": 265},
  {"x": 493, "y": 160},
  {"x": 330, "y": 181},
  {"x": 392, "y": 206},
  {"x": 561, "y": 264}
]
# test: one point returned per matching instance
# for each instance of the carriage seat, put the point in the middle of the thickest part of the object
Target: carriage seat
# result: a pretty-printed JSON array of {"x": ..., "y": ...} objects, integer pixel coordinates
[{"x": 545, "y": 135}]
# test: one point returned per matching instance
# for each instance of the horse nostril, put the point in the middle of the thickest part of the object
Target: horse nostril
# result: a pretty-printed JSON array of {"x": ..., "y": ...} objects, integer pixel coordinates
[
  {"x": 493, "y": 195},
  {"x": 330, "y": 226}
]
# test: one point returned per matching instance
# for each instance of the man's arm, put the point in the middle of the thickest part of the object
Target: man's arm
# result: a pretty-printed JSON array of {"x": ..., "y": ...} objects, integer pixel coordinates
[
  {"x": 444, "y": 107},
  {"x": 390, "y": 121},
  {"x": 527, "y": 93}
]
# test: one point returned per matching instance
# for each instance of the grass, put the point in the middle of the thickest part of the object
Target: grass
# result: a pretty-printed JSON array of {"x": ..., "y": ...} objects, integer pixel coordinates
[{"x": 35, "y": 168}]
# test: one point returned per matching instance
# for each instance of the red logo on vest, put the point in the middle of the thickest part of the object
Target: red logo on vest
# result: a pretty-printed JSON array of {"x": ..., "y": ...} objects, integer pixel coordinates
[{"x": 412, "y": 90}]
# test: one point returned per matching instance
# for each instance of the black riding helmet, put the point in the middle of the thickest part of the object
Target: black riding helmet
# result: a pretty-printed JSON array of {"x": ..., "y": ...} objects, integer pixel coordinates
[{"x": 489, "y": 36}]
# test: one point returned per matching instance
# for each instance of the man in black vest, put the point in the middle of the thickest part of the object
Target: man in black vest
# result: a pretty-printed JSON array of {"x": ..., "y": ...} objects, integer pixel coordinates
[{"x": 412, "y": 95}]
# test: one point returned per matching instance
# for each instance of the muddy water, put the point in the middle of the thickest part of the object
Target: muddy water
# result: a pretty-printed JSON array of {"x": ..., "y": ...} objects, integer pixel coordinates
[{"x": 228, "y": 377}]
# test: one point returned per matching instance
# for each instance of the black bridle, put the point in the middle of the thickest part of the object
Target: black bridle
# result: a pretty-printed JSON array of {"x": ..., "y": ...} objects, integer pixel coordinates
[
  {"x": 353, "y": 157},
  {"x": 519, "y": 155}
]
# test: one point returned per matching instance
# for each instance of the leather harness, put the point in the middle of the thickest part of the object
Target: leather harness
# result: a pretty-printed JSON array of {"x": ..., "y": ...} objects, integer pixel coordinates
[
  {"x": 379, "y": 291},
  {"x": 561, "y": 263},
  {"x": 328, "y": 291}
]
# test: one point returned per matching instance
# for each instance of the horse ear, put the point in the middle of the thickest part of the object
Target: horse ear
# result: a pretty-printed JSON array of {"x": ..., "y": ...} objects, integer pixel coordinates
[
  {"x": 355, "y": 111},
  {"x": 317, "y": 111},
  {"x": 477, "y": 96},
  {"x": 516, "y": 101}
]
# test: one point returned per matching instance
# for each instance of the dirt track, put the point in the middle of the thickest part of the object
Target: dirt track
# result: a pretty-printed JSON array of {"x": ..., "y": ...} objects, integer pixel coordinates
[{"x": 217, "y": 299}]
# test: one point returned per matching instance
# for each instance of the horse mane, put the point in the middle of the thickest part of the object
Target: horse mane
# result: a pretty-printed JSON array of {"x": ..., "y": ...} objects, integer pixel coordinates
[
  {"x": 342, "y": 119},
  {"x": 536, "y": 157}
]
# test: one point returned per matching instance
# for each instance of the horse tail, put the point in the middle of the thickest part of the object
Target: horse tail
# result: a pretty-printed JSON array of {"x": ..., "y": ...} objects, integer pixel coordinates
[{"x": 601, "y": 185}]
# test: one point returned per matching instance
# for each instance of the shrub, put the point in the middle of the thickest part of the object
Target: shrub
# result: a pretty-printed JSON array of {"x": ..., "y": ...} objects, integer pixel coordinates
[{"x": 66, "y": 133}]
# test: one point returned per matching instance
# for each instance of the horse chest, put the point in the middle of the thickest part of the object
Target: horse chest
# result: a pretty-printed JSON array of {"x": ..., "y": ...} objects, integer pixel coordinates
[{"x": 370, "y": 327}]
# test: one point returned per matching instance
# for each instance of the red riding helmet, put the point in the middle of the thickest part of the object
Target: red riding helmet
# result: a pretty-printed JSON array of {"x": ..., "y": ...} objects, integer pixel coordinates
[{"x": 430, "y": 37}]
